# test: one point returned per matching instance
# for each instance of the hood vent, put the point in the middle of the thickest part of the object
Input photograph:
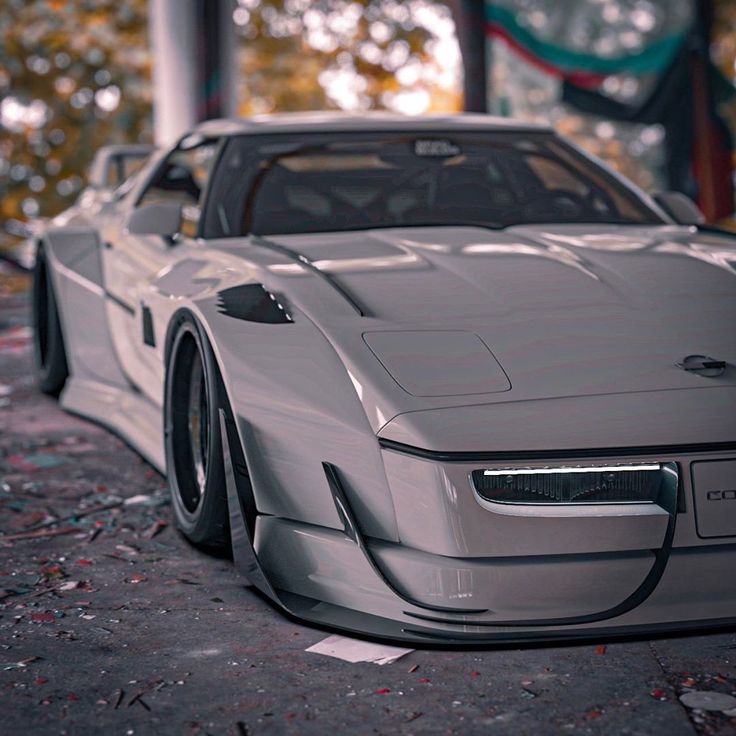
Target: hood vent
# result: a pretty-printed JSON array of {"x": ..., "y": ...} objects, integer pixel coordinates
[{"x": 252, "y": 303}]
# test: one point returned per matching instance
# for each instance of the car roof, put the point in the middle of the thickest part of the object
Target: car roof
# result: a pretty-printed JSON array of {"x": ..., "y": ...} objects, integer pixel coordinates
[{"x": 316, "y": 122}]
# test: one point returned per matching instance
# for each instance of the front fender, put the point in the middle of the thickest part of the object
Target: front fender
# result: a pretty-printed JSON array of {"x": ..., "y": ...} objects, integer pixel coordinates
[{"x": 296, "y": 408}]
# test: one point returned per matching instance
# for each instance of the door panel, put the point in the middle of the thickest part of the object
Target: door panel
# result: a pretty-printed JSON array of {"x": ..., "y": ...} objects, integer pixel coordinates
[{"x": 132, "y": 262}]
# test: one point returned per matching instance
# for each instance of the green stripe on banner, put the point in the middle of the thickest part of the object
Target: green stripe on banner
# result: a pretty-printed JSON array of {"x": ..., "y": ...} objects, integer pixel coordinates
[{"x": 651, "y": 59}]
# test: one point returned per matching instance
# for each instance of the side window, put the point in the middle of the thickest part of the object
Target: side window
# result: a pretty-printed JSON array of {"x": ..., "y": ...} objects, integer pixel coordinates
[
  {"x": 183, "y": 178},
  {"x": 123, "y": 168}
]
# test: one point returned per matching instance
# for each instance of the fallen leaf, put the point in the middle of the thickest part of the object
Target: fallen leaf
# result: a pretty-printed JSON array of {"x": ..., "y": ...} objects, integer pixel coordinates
[
  {"x": 69, "y": 585},
  {"x": 43, "y": 617},
  {"x": 127, "y": 549},
  {"x": 156, "y": 528}
]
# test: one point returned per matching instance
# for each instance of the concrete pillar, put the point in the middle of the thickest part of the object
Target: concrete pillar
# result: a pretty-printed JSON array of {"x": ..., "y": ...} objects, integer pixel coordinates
[
  {"x": 470, "y": 26},
  {"x": 193, "y": 51},
  {"x": 227, "y": 59},
  {"x": 175, "y": 77}
]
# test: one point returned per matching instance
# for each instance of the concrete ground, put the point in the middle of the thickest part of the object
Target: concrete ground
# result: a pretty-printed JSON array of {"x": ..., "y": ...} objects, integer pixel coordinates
[{"x": 110, "y": 622}]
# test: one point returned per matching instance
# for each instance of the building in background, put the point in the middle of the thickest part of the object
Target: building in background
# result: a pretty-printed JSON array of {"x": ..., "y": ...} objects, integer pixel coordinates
[{"x": 646, "y": 84}]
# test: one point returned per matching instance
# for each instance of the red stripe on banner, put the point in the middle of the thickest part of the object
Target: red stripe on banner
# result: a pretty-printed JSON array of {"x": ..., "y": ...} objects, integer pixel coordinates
[
  {"x": 581, "y": 79},
  {"x": 711, "y": 157}
]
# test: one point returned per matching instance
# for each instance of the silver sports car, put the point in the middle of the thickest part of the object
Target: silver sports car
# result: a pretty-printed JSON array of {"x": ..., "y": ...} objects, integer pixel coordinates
[{"x": 438, "y": 379}]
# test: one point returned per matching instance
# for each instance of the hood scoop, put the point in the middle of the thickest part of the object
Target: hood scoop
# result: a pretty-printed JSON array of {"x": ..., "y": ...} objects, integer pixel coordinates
[{"x": 438, "y": 362}]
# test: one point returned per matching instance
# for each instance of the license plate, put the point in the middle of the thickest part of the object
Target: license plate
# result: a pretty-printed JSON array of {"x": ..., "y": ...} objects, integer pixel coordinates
[{"x": 714, "y": 485}]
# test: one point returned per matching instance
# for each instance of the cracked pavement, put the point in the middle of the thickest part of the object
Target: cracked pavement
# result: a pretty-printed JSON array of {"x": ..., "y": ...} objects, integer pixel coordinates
[{"x": 110, "y": 621}]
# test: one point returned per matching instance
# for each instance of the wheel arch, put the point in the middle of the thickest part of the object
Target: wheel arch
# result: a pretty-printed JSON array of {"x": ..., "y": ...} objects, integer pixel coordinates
[{"x": 74, "y": 263}]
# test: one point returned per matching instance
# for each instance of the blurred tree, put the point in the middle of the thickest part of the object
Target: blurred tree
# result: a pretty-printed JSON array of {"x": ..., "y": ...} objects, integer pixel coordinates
[
  {"x": 352, "y": 55},
  {"x": 73, "y": 76}
]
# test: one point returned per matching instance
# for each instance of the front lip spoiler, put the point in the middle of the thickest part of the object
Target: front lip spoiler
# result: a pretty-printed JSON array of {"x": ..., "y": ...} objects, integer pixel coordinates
[
  {"x": 491, "y": 456},
  {"x": 365, "y": 625}
]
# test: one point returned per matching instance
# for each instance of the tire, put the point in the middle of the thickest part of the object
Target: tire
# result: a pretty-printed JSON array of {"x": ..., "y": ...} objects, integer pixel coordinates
[
  {"x": 52, "y": 369},
  {"x": 193, "y": 395}
]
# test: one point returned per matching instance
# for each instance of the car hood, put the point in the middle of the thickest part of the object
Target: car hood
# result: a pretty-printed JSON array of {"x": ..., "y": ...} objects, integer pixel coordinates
[{"x": 565, "y": 310}]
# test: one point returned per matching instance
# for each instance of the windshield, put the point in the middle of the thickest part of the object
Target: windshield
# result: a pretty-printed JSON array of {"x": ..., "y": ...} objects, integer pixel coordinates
[{"x": 355, "y": 182}]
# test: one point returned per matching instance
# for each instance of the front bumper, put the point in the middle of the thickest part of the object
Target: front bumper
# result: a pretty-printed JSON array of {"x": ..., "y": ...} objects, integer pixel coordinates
[{"x": 465, "y": 574}]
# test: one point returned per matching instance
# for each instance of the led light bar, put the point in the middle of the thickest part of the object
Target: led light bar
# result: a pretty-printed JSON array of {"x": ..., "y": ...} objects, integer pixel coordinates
[
  {"x": 588, "y": 484},
  {"x": 578, "y": 469}
]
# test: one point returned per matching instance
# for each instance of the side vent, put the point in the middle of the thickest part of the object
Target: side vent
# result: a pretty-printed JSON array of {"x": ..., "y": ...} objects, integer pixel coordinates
[
  {"x": 252, "y": 303},
  {"x": 147, "y": 319}
]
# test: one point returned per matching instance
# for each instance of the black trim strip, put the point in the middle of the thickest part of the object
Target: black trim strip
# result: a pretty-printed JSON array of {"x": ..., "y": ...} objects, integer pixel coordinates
[
  {"x": 242, "y": 510},
  {"x": 715, "y": 230},
  {"x": 482, "y": 456},
  {"x": 124, "y": 305},
  {"x": 149, "y": 337},
  {"x": 353, "y": 532},
  {"x": 593, "y": 634},
  {"x": 304, "y": 261}
]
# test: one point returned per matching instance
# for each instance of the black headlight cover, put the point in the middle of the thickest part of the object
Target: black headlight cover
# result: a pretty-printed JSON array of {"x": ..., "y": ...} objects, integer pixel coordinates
[{"x": 570, "y": 485}]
